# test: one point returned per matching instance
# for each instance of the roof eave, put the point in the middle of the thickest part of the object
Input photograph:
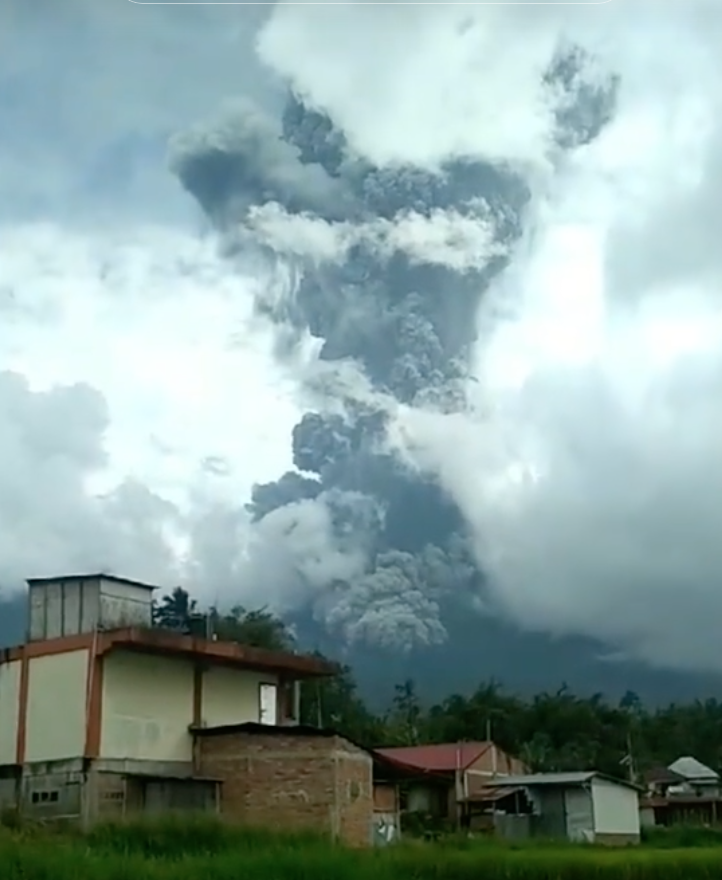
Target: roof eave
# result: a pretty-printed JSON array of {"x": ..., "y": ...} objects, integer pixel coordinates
[{"x": 216, "y": 653}]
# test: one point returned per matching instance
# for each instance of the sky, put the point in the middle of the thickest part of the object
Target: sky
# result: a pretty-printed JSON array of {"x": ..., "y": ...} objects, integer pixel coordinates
[
  {"x": 120, "y": 322},
  {"x": 141, "y": 393}
]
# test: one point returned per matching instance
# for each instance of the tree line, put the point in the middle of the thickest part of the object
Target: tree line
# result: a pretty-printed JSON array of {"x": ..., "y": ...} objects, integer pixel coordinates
[{"x": 552, "y": 731}]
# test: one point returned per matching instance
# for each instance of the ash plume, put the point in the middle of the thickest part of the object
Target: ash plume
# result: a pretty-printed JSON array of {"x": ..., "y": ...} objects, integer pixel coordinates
[{"x": 392, "y": 262}]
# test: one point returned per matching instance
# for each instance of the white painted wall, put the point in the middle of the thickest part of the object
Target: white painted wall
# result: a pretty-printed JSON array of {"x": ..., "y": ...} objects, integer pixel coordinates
[
  {"x": 232, "y": 696},
  {"x": 9, "y": 710},
  {"x": 616, "y": 808},
  {"x": 579, "y": 814},
  {"x": 147, "y": 707},
  {"x": 56, "y": 714}
]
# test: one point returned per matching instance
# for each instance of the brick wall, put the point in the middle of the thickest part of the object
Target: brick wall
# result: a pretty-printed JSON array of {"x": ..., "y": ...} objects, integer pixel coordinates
[
  {"x": 355, "y": 794},
  {"x": 292, "y": 781},
  {"x": 386, "y": 797}
]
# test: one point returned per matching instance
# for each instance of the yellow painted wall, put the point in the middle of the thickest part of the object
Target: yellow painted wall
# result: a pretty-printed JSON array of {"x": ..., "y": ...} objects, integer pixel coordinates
[
  {"x": 9, "y": 706},
  {"x": 231, "y": 696},
  {"x": 147, "y": 707},
  {"x": 57, "y": 688}
]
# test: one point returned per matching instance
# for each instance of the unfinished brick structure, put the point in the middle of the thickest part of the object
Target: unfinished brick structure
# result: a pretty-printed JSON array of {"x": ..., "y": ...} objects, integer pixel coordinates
[{"x": 292, "y": 777}]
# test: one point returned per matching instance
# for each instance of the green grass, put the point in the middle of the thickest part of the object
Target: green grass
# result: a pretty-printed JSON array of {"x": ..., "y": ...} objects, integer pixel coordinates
[{"x": 171, "y": 850}]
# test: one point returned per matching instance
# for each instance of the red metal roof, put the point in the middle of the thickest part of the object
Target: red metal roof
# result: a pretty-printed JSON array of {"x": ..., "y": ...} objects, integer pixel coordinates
[{"x": 442, "y": 757}]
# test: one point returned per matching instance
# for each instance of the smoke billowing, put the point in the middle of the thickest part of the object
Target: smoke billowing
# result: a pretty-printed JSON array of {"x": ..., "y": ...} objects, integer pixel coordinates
[
  {"x": 463, "y": 330},
  {"x": 391, "y": 264}
]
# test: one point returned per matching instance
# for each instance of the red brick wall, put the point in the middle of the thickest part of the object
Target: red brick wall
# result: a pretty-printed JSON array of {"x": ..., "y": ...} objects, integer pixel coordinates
[
  {"x": 293, "y": 782},
  {"x": 354, "y": 794},
  {"x": 386, "y": 797}
]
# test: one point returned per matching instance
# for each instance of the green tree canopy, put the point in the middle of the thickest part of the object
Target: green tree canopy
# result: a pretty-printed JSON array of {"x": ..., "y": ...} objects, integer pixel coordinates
[{"x": 556, "y": 730}]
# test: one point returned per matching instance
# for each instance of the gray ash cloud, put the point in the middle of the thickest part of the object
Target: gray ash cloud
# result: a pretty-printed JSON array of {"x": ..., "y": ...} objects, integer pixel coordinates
[{"x": 403, "y": 311}]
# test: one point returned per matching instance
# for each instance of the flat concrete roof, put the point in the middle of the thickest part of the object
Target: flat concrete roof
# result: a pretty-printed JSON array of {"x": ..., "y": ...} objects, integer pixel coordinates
[
  {"x": 221, "y": 653},
  {"x": 166, "y": 643}
]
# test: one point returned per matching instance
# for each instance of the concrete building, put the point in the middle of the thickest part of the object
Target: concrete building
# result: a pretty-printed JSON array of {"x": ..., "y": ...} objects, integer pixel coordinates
[
  {"x": 581, "y": 806},
  {"x": 102, "y": 715}
]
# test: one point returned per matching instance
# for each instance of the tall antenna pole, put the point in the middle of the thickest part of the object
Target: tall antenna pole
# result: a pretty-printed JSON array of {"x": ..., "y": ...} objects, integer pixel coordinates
[
  {"x": 630, "y": 753},
  {"x": 493, "y": 745}
]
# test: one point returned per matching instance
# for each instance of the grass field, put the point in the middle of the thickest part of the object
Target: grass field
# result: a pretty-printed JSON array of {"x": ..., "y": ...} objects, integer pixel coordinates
[{"x": 202, "y": 850}]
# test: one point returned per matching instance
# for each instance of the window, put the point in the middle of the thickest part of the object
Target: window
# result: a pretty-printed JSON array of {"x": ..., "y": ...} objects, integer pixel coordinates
[{"x": 45, "y": 797}]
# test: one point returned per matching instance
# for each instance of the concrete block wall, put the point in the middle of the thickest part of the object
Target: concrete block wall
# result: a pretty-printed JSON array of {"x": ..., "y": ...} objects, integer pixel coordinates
[
  {"x": 53, "y": 790},
  {"x": 291, "y": 781}
]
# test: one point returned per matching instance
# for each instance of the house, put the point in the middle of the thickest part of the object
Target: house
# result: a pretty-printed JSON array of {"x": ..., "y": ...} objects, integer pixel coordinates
[
  {"x": 696, "y": 778},
  {"x": 444, "y": 774},
  {"x": 102, "y": 715},
  {"x": 581, "y": 806},
  {"x": 686, "y": 792},
  {"x": 659, "y": 780}
]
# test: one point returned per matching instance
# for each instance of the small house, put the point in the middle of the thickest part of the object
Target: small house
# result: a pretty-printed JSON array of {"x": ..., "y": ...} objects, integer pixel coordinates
[
  {"x": 580, "y": 806},
  {"x": 685, "y": 793},
  {"x": 442, "y": 775}
]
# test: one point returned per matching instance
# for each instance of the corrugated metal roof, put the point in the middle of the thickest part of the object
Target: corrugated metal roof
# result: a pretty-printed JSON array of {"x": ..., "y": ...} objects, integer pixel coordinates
[
  {"x": 491, "y": 794},
  {"x": 83, "y": 578},
  {"x": 691, "y": 768},
  {"x": 577, "y": 777},
  {"x": 441, "y": 757}
]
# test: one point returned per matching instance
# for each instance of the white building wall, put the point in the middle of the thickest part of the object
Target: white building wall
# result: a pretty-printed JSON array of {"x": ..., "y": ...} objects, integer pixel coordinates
[
  {"x": 579, "y": 811},
  {"x": 616, "y": 808},
  {"x": 232, "y": 696},
  {"x": 9, "y": 710},
  {"x": 56, "y": 709},
  {"x": 147, "y": 707}
]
